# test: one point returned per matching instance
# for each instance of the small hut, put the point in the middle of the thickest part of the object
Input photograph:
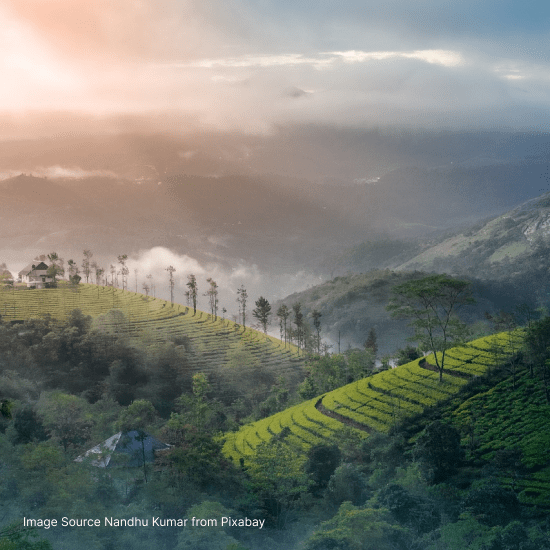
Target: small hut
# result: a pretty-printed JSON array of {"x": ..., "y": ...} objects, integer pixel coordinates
[{"x": 132, "y": 449}]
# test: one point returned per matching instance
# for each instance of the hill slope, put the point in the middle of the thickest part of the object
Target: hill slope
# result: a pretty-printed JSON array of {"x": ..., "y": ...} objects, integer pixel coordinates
[
  {"x": 210, "y": 341},
  {"x": 375, "y": 403}
]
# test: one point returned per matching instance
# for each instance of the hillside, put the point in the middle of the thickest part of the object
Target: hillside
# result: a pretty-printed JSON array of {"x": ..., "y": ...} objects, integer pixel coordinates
[
  {"x": 507, "y": 258},
  {"x": 512, "y": 417},
  {"x": 502, "y": 248},
  {"x": 210, "y": 342},
  {"x": 502, "y": 415},
  {"x": 375, "y": 403},
  {"x": 507, "y": 245},
  {"x": 352, "y": 304}
]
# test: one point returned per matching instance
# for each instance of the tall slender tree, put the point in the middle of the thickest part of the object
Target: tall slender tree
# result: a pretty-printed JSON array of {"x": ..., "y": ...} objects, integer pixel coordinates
[
  {"x": 151, "y": 283},
  {"x": 86, "y": 264},
  {"x": 171, "y": 270},
  {"x": 74, "y": 277},
  {"x": 212, "y": 294},
  {"x": 299, "y": 322},
  {"x": 193, "y": 290},
  {"x": 283, "y": 313},
  {"x": 242, "y": 297},
  {"x": 317, "y": 324},
  {"x": 99, "y": 271},
  {"x": 124, "y": 270},
  {"x": 73, "y": 269}
]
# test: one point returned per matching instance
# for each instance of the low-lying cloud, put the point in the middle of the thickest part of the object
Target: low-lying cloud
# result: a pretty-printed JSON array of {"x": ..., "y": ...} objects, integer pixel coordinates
[{"x": 228, "y": 276}]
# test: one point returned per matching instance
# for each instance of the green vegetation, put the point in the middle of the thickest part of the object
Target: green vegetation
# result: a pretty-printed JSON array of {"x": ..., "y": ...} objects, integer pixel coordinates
[
  {"x": 395, "y": 459},
  {"x": 375, "y": 403},
  {"x": 206, "y": 338}
]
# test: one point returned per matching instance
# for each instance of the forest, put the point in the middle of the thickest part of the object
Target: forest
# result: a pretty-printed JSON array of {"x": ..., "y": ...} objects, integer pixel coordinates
[{"x": 469, "y": 470}]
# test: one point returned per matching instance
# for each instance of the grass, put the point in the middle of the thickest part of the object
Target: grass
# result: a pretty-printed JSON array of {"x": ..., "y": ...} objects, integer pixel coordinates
[{"x": 152, "y": 320}]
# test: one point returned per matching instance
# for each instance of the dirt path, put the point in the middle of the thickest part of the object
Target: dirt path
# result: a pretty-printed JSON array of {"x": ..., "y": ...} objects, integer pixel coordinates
[
  {"x": 428, "y": 366},
  {"x": 347, "y": 421}
]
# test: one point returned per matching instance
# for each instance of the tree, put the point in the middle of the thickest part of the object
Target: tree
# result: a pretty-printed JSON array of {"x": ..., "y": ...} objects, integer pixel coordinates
[
  {"x": 278, "y": 477},
  {"x": 283, "y": 313},
  {"x": 73, "y": 268},
  {"x": 193, "y": 290},
  {"x": 407, "y": 354},
  {"x": 171, "y": 271},
  {"x": 431, "y": 302},
  {"x": 151, "y": 284},
  {"x": 438, "y": 447},
  {"x": 74, "y": 277},
  {"x": 135, "y": 273},
  {"x": 347, "y": 483},
  {"x": 56, "y": 267},
  {"x": 322, "y": 460},
  {"x": 86, "y": 265},
  {"x": 212, "y": 294},
  {"x": 359, "y": 528},
  {"x": 262, "y": 312},
  {"x": 138, "y": 416},
  {"x": 17, "y": 537},
  {"x": 98, "y": 274},
  {"x": 112, "y": 270},
  {"x": 370, "y": 342},
  {"x": 242, "y": 296},
  {"x": 317, "y": 325},
  {"x": 195, "y": 408},
  {"x": 299, "y": 322},
  {"x": 65, "y": 417},
  {"x": 124, "y": 270}
]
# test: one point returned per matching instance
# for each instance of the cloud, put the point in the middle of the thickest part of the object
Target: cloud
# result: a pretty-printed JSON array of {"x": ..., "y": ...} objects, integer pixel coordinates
[
  {"x": 446, "y": 58},
  {"x": 73, "y": 172},
  {"x": 295, "y": 92},
  {"x": 229, "y": 278},
  {"x": 231, "y": 64}
]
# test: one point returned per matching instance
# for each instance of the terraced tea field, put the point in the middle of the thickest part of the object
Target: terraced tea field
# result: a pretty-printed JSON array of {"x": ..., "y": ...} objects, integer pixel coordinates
[
  {"x": 375, "y": 403},
  {"x": 514, "y": 419},
  {"x": 154, "y": 320}
]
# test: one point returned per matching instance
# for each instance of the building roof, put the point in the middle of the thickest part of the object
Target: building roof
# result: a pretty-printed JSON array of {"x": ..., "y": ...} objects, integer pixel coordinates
[
  {"x": 27, "y": 269},
  {"x": 124, "y": 449}
]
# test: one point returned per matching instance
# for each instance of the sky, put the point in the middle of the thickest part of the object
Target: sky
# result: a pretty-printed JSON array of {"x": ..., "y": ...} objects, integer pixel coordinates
[{"x": 255, "y": 64}]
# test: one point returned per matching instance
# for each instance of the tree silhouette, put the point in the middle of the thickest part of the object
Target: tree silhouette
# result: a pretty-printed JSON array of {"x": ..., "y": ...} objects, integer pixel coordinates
[
  {"x": 242, "y": 296},
  {"x": 262, "y": 312},
  {"x": 193, "y": 290},
  {"x": 171, "y": 270}
]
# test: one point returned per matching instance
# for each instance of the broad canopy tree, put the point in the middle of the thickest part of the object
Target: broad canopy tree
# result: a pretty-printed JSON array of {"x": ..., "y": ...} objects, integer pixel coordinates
[{"x": 431, "y": 303}]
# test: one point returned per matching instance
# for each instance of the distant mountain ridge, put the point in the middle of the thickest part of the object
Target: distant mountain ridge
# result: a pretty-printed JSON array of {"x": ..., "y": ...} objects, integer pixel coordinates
[{"x": 507, "y": 258}]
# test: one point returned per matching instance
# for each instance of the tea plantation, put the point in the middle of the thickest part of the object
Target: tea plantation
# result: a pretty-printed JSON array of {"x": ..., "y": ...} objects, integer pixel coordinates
[
  {"x": 207, "y": 339},
  {"x": 376, "y": 403}
]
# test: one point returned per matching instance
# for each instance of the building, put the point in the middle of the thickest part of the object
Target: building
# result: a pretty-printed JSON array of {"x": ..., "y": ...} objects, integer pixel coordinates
[{"x": 35, "y": 275}]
